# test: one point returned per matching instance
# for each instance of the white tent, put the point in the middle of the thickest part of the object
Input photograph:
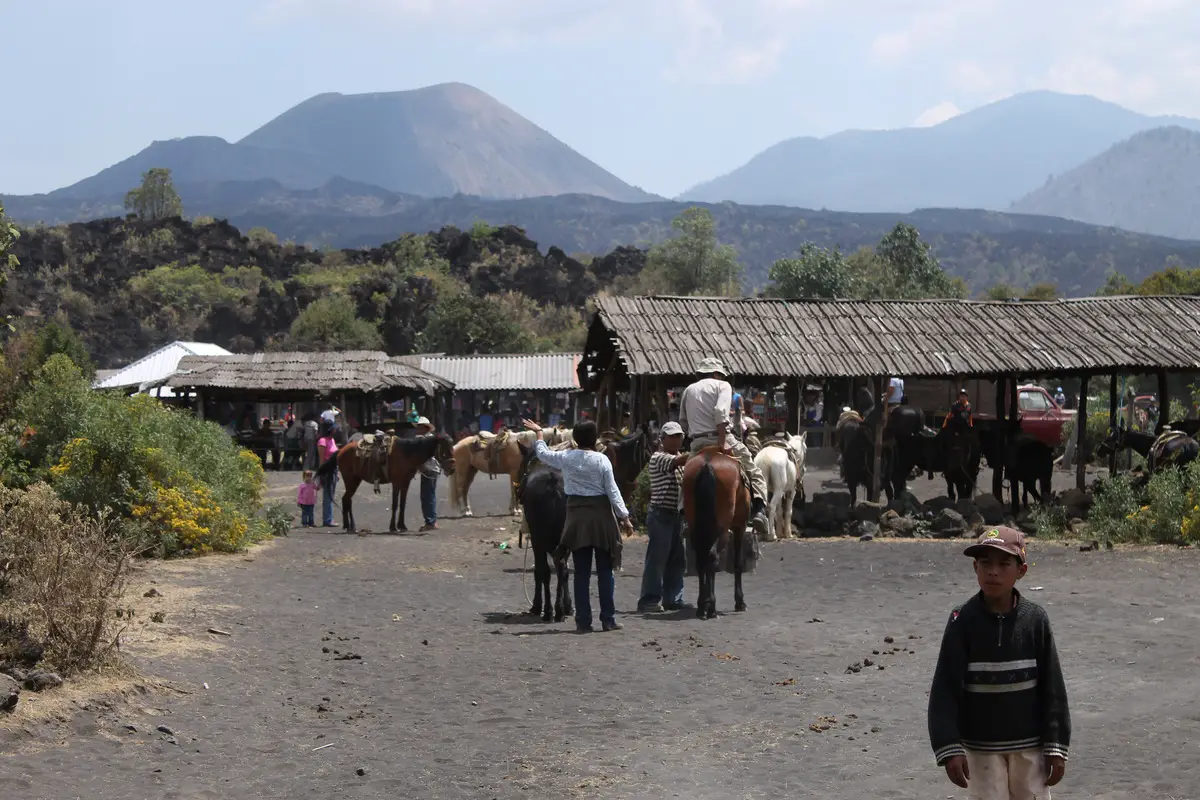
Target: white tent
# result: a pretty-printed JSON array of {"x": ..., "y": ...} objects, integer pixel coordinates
[{"x": 153, "y": 370}]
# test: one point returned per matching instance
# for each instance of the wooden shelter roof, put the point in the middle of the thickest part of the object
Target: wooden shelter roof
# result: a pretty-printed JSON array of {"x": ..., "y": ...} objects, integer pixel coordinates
[
  {"x": 758, "y": 338},
  {"x": 358, "y": 370}
]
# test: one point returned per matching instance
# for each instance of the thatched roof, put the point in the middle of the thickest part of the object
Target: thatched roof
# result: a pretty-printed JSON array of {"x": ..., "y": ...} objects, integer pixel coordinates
[
  {"x": 667, "y": 336},
  {"x": 359, "y": 370}
]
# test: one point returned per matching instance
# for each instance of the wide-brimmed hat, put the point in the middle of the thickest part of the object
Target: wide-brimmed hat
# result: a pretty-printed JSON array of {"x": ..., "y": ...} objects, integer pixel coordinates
[
  {"x": 672, "y": 429},
  {"x": 423, "y": 421},
  {"x": 710, "y": 365},
  {"x": 1002, "y": 538}
]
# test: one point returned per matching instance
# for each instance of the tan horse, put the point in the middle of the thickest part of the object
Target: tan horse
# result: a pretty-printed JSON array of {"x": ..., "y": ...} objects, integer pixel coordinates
[{"x": 494, "y": 454}]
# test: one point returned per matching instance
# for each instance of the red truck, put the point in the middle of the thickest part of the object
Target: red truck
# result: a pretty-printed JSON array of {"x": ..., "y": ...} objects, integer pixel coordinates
[{"x": 1040, "y": 416}]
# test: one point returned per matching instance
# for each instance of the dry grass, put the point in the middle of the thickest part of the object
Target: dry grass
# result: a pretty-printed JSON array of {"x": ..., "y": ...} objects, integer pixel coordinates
[{"x": 62, "y": 579}]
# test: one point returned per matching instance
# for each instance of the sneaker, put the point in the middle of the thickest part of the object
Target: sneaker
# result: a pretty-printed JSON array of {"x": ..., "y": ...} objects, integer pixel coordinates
[
  {"x": 759, "y": 523},
  {"x": 674, "y": 606},
  {"x": 584, "y": 629},
  {"x": 432, "y": 526},
  {"x": 651, "y": 608},
  {"x": 612, "y": 626}
]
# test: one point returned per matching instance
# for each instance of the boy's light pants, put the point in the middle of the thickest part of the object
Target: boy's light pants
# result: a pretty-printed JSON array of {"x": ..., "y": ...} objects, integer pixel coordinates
[{"x": 1007, "y": 776}]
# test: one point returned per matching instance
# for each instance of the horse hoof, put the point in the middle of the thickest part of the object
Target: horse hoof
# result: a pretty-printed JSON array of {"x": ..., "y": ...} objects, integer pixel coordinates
[
  {"x": 535, "y": 611},
  {"x": 740, "y": 607},
  {"x": 701, "y": 613}
]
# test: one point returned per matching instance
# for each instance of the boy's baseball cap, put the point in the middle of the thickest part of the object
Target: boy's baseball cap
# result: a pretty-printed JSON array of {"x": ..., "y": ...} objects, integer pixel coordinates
[
  {"x": 672, "y": 429},
  {"x": 1002, "y": 538}
]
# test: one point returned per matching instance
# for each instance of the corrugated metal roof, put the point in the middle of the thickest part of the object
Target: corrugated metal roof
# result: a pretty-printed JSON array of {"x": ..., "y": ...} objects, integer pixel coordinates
[
  {"x": 157, "y": 366},
  {"x": 540, "y": 372},
  {"x": 357, "y": 370},
  {"x": 933, "y": 338}
]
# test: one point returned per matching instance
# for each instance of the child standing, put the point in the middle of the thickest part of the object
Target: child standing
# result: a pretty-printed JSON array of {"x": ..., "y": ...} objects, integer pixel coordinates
[
  {"x": 306, "y": 498},
  {"x": 998, "y": 717}
]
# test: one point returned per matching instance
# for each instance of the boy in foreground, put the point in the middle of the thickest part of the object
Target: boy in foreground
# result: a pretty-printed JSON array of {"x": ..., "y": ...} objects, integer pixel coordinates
[{"x": 998, "y": 717}]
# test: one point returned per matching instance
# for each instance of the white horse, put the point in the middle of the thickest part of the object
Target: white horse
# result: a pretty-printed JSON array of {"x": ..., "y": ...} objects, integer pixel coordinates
[{"x": 782, "y": 464}]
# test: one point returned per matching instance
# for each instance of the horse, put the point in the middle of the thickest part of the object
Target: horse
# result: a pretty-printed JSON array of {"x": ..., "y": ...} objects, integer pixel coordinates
[
  {"x": 1029, "y": 463},
  {"x": 629, "y": 456},
  {"x": 715, "y": 503},
  {"x": 782, "y": 463},
  {"x": 402, "y": 460},
  {"x": 483, "y": 453},
  {"x": 956, "y": 454},
  {"x": 856, "y": 440},
  {"x": 1173, "y": 448},
  {"x": 541, "y": 493}
]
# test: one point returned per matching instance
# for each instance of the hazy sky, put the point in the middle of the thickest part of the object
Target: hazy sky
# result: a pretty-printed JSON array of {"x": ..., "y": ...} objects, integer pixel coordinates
[{"x": 664, "y": 93}]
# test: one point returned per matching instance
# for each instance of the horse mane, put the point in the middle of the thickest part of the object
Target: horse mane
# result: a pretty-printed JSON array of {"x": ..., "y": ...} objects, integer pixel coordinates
[{"x": 422, "y": 445}]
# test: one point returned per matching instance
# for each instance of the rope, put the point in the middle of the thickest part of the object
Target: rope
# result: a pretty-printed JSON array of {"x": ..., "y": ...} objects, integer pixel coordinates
[{"x": 524, "y": 571}]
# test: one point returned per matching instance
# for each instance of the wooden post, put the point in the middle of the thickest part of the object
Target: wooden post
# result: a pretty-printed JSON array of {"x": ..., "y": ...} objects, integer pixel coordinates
[
  {"x": 880, "y": 424},
  {"x": 1164, "y": 403},
  {"x": 636, "y": 411},
  {"x": 1081, "y": 436},
  {"x": 200, "y": 404},
  {"x": 1001, "y": 438},
  {"x": 643, "y": 399},
  {"x": 1127, "y": 454},
  {"x": 792, "y": 398},
  {"x": 1112, "y": 419},
  {"x": 660, "y": 400}
]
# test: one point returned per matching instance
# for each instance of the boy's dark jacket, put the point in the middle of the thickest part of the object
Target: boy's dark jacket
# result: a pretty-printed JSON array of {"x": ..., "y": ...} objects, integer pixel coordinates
[{"x": 998, "y": 686}]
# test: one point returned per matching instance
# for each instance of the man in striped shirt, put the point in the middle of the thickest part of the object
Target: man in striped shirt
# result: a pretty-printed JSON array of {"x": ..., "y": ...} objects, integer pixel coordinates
[
  {"x": 666, "y": 561},
  {"x": 998, "y": 716}
]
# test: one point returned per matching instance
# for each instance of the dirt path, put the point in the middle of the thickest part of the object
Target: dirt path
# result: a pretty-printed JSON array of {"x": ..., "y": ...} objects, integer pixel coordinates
[{"x": 403, "y": 656}]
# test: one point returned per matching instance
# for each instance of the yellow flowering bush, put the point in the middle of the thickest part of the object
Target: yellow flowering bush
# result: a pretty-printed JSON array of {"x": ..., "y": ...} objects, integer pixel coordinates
[
  {"x": 1166, "y": 510},
  {"x": 180, "y": 482}
]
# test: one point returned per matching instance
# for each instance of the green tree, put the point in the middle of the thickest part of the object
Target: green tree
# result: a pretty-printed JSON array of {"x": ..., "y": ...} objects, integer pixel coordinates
[
  {"x": 8, "y": 260},
  {"x": 260, "y": 236},
  {"x": 1039, "y": 291},
  {"x": 464, "y": 324},
  {"x": 330, "y": 323},
  {"x": 1116, "y": 284},
  {"x": 694, "y": 262},
  {"x": 910, "y": 270},
  {"x": 814, "y": 272},
  {"x": 156, "y": 198}
]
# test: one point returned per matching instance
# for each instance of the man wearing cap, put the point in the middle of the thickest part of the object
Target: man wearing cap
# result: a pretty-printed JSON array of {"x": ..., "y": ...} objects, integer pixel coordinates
[
  {"x": 998, "y": 716},
  {"x": 429, "y": 475},
  {"x": 666, "y": 560},
  {"x": 704, "y": 414}
]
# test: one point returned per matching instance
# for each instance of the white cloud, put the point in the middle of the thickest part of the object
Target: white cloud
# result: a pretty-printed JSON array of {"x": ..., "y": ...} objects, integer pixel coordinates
[{"x": 936, "y": 115}]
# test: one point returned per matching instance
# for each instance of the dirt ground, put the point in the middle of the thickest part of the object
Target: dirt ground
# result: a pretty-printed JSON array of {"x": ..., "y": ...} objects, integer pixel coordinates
[{"x": 406, "y": 658}]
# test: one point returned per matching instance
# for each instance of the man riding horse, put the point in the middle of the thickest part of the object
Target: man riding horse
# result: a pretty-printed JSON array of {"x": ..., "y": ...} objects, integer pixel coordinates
[{"x": 704, "y": 412}]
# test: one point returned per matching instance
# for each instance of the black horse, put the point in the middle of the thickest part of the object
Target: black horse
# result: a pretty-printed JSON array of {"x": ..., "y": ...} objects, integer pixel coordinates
[
  {"x": 857, "y": 442},
  {"x": 1028, "y": 465},
  {"x": 1176, "y": 449},
  {"x": 540, "y": 492}
]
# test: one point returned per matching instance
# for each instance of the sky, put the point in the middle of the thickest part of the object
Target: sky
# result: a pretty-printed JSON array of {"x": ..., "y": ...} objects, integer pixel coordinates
[{"x": 663, "y": 93}]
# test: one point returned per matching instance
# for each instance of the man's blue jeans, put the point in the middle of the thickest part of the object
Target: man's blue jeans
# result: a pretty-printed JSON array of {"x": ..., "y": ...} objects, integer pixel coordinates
[
  {"x": 328, "y": 488},
  {"x": 429, "y": 499},
  {"x": 666, "y": 559},
  {"x": 605, "y": 583}
]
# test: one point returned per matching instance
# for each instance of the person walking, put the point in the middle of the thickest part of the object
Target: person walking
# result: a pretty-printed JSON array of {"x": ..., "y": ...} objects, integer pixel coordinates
[
  {"x": 998, "y": 717},
  {"x": 666, "y": 560},
  {"x": 704, "y": 414},
  {"x": 594, "y": 511},
  {"x": 327, "y": 448},
  {"x": 429, "y": 476}
]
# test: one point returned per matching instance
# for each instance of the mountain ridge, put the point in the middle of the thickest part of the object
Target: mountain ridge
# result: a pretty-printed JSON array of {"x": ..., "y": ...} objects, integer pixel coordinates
[
  {"x": 1147, "y": 183},
  {"x": 984, "y": 158},
  {"x": 433, "y": 141}
]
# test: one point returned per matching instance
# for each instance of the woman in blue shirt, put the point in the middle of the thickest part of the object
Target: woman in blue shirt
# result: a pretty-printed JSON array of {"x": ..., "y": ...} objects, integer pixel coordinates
[{"x": 594, "y": 506}]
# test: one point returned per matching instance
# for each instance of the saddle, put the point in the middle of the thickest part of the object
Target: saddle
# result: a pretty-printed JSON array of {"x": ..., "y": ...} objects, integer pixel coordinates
[
  {"x": 492, "y": 445},
  {"x": 1159, "y": 448},
  {"x": 373, "y": 451}
]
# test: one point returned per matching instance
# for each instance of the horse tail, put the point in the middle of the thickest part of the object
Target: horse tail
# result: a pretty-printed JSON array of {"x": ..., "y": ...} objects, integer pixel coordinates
[
  {"x": 704, "y": 501},
  {"x": 330, "y": 465}
]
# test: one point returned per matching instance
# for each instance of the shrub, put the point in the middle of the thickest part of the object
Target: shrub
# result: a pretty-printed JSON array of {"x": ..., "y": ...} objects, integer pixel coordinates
[
  {"x": 641, "y": 498},
  {"x": 278, "y": 518},
  {"x": 62, "y": 575},
  {"x": 1050, "y": 521},
  {"x": 182, "y": 482},
  {"x": 1166, "y": 511}
]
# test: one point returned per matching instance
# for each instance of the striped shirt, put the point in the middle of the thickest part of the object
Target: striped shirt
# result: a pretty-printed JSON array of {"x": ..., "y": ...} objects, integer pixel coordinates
[{"x": 665, "y": 479}]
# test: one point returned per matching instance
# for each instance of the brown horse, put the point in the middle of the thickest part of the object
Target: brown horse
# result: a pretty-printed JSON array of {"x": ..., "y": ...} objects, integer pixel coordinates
[
  {"x": 404, "y": 458},
  {"x": 471, "y": 456},
  {"x": 715, "y": 503}
]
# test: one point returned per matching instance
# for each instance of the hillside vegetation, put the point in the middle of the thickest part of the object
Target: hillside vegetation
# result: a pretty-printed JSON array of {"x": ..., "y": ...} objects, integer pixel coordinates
[
  {"x": 128, "y": 285},
  {"x": 982, "y": 247}
]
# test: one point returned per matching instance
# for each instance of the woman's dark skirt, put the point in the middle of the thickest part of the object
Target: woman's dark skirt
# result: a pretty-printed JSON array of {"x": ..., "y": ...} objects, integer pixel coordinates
[{"x": 591, "y": 523}]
